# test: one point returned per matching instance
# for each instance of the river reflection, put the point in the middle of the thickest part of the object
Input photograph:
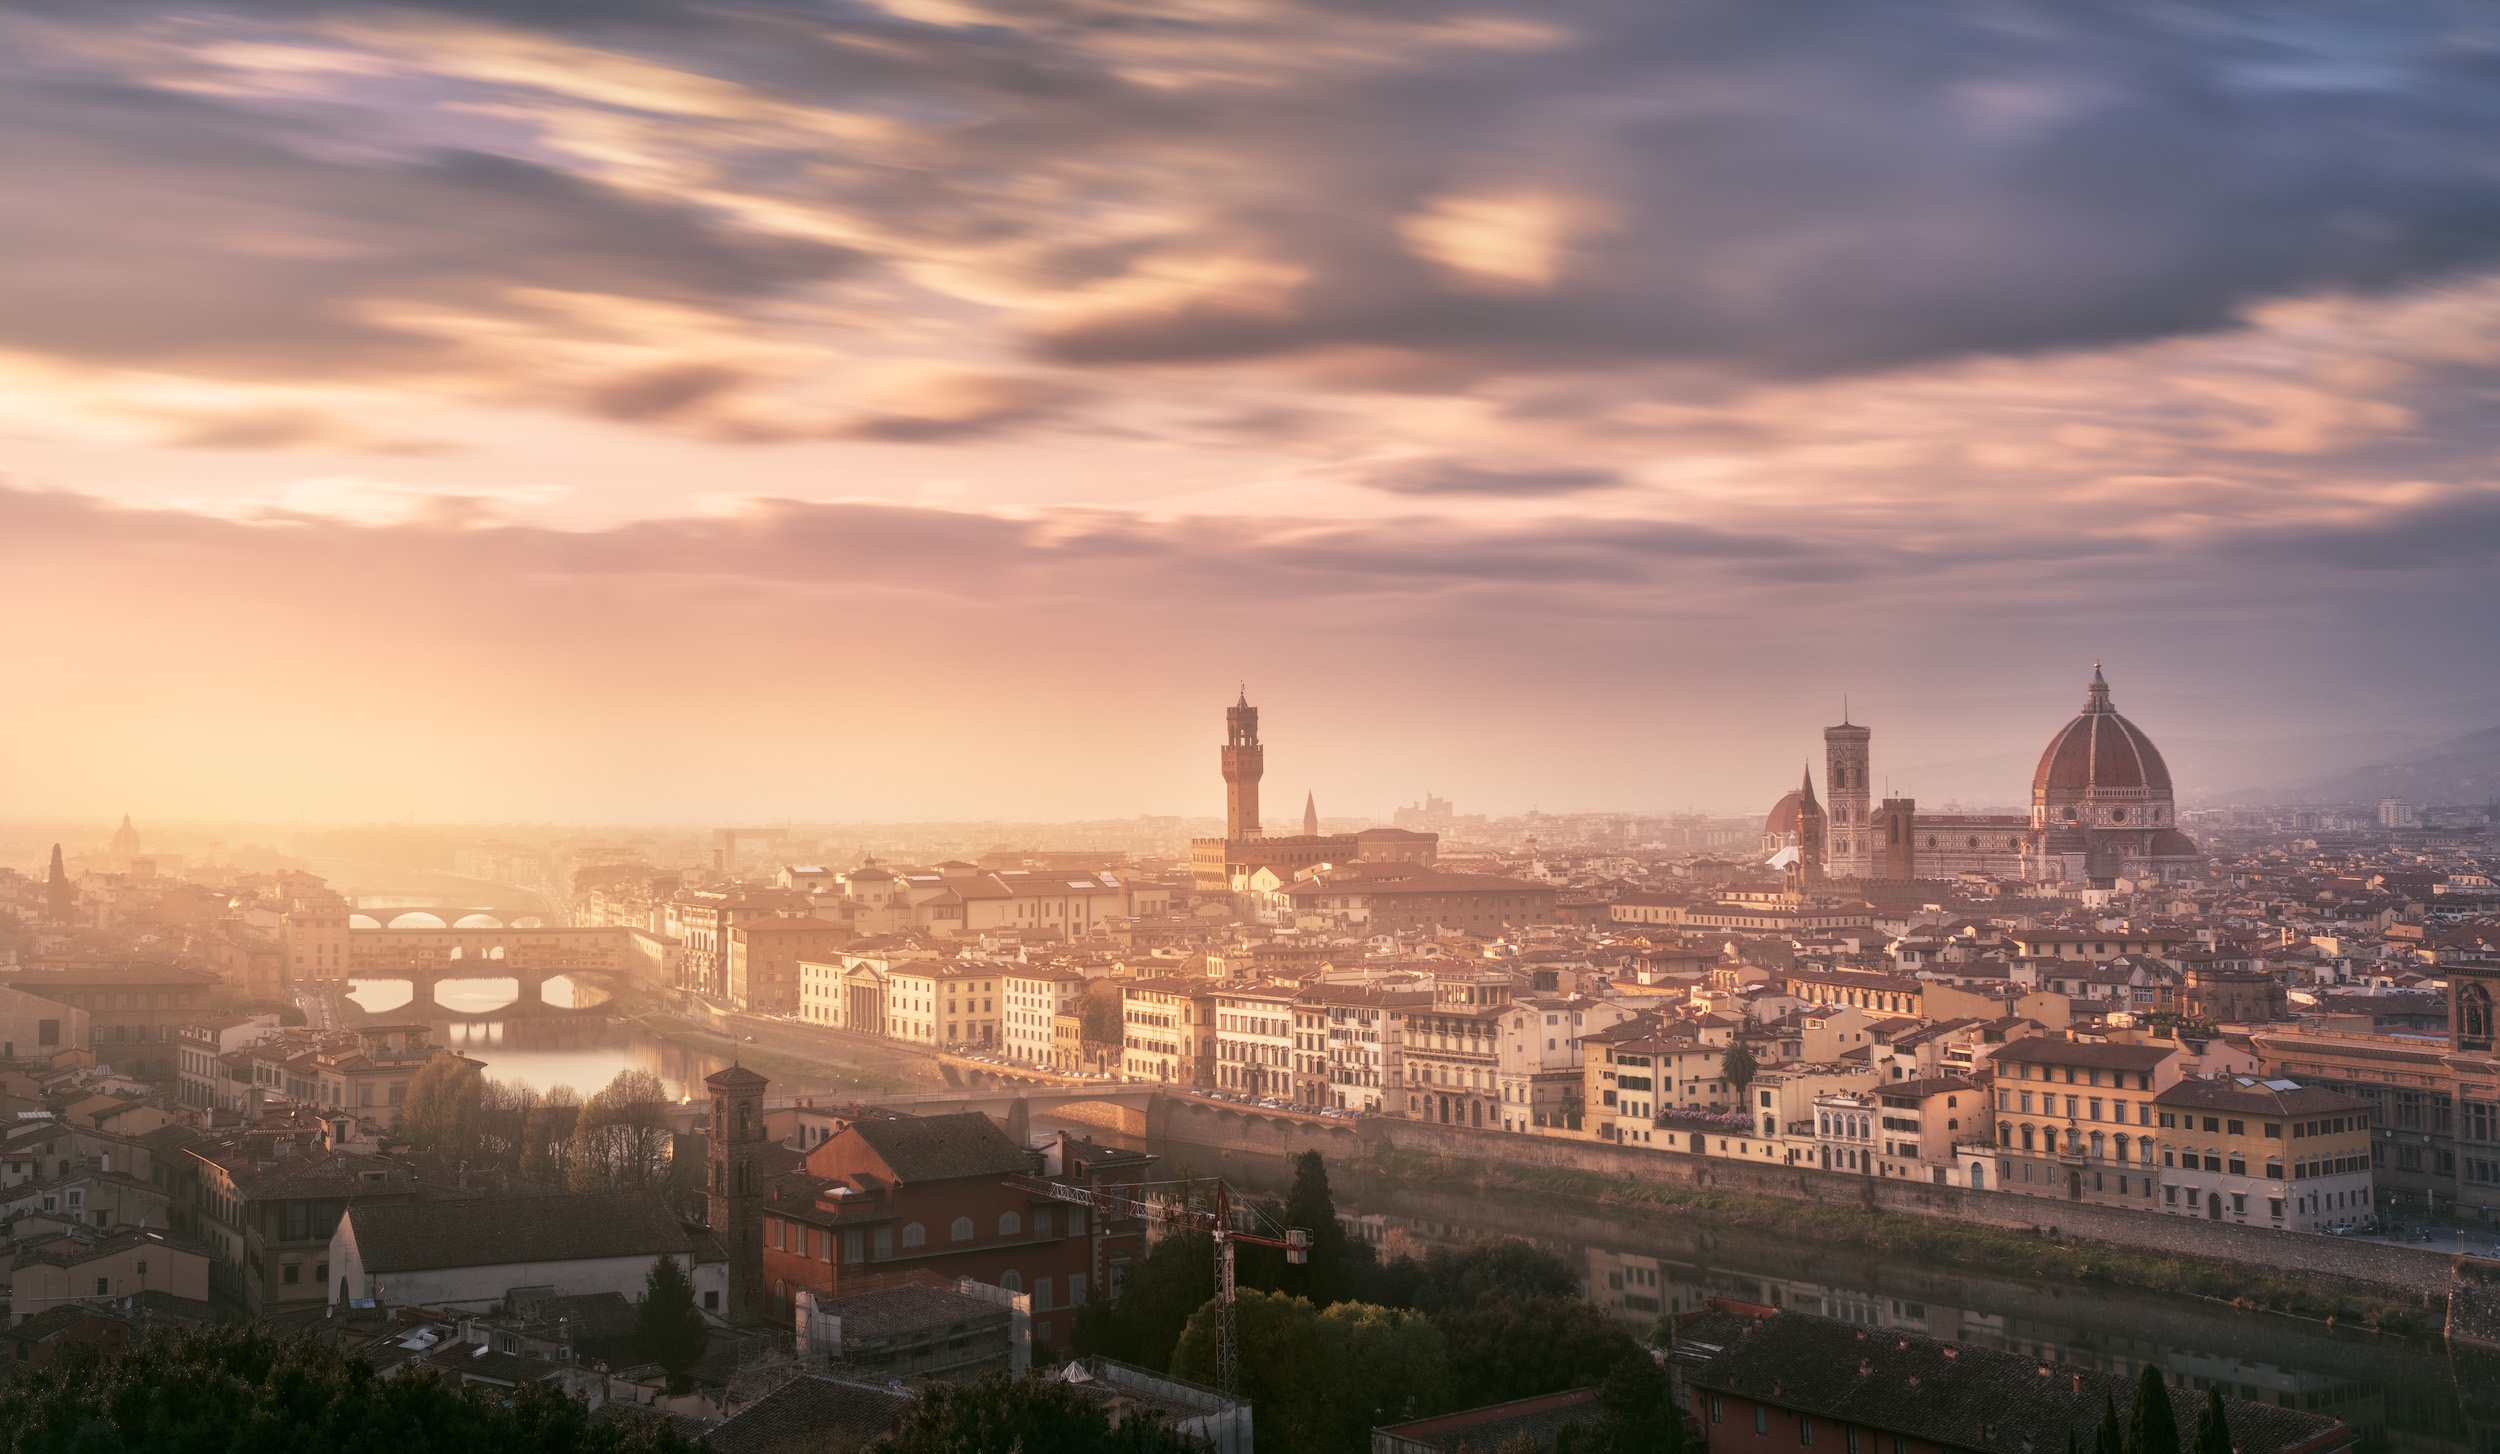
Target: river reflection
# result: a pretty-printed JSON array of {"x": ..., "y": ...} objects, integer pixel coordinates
[
  {"x": 586, "y": 1051},
  {"x": 2398, "y": 1393}
]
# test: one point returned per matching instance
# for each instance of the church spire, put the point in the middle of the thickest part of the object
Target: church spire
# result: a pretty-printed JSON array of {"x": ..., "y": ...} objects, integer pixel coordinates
[
  {"x": 60, "y": 899},
  {"x": 1310, "y": 815},
  {"x": 1805, "y": 790}
]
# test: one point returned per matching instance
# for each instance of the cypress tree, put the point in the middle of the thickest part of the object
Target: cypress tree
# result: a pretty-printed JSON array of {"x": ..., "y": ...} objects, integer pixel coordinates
[
  {"x": 2112, "y": 1438},
  {"x": 2151, "y": 1427},
  {"x": 2213, "y": 1430}
]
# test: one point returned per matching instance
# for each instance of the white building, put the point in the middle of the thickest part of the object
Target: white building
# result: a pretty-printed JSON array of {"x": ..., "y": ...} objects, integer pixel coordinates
[
  {"x": 470, "y": 1256},
  {"x": 1538, "y": 1065},
  {"x": 1254, "y": 1040},
  {"x": 1032, "y": 996}
]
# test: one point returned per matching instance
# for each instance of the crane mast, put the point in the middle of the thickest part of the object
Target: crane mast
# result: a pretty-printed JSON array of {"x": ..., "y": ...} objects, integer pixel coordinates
[{"x": 1117, "y": 1203}]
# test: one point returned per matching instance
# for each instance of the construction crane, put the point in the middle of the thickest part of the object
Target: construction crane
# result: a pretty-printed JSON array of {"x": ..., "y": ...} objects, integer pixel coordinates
[{"x": 1155, "y": 1202}]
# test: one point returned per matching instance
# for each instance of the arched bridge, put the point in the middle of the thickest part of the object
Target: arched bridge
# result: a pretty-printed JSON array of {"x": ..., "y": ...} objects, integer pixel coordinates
[
  {"x": 529, "y": 985},
  {"x": 389, "y": 911}
]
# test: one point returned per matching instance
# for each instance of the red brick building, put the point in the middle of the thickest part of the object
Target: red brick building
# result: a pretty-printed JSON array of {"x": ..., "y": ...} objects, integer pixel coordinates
[{"x": 932, "y": 1194}]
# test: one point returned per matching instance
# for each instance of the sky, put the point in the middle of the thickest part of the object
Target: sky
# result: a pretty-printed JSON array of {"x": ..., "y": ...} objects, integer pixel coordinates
[{"x": 653, "y": 411}]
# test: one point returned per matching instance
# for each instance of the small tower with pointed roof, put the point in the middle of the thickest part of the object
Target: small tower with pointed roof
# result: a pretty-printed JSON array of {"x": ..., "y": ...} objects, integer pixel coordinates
[
  {"x": 1310, "y": 815},
  {"x": 60, "y": 897},
  {"x": 735, "y": 1200},
  {"x": 1811, "y": 830}
]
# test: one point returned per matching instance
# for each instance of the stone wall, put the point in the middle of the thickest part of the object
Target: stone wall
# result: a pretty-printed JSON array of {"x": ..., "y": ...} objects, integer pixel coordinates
[{"x": 2378, "y": 1267}]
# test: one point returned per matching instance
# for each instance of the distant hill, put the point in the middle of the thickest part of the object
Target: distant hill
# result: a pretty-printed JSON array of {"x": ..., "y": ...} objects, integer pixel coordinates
[
  {"x": 2460, "y": 770},
  {"x": 2204, "y": 769}
]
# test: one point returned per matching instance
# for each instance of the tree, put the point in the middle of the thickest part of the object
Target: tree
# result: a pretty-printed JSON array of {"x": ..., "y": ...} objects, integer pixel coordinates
[
  {"x": 1156, "y": 1300},
  {"x": 621, "y": 1137},
  {"x": 1385, "y": 1365},
  {"x": 1310, "y": 1206},
  {"x": 547, "y": 1135},
  {"x": 2213, "y": 1427},
  {"x": 1285, "y": 1373},
  {"x": 1000, "y": 1414},
  {"x": 1739, "y": 1067},
  {"x": 1446, "y": 1277},
  {"x": 1508, "y": 1346},
  {"x": 2151, "y": 1426},
  {"x": 668, "y": 1329},
  {"x": 227, "y": 1387},
  {"x": 1636, "y": 1414},
  {"x": 441, "y": 1112},
  {"x": 2112, "y": 1437}
]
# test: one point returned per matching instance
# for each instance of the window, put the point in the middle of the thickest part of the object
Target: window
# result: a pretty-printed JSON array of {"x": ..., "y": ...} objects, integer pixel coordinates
[
  {"x": 289, "y": 1274},
  {"x": 104, "y": 1285},
  {"x": 1805, "y": 1428},
  {"x": 711, "y": 1301},
  {"x": 1761, "y": 1419},
  {"x": 962, "y": 1230},
  {"x": 1009, "y": 1224},
  {"x": 915, "y": 1235}
]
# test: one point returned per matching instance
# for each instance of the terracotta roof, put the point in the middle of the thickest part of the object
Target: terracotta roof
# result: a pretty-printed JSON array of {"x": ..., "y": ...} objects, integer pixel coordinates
[
  {"x": 1955, "y": 1395},
  {"x": 943, "y": 1148},
  {"x": 420, "y": 1236},
  {"x": 2100, "y": 749},
  {"x": 811, "y": 1413}
]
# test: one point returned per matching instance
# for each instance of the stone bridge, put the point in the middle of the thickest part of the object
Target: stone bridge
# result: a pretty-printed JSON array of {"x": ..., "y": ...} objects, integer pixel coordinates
[{"x": 529, "y": 984}]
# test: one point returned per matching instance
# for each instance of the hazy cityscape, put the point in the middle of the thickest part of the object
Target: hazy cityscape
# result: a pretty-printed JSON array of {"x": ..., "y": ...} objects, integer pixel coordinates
[{"x": 1049, "y": 726}]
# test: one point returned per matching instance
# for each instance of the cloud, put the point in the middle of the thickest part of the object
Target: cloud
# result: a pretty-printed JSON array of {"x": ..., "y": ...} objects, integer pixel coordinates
[{"x": 1459, "y": 477}]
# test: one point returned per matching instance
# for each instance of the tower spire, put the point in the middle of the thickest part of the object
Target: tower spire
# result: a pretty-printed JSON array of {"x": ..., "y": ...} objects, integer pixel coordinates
[
  {"x": 1310, "y": 814},
  {"x": 2096, "y": 697}
]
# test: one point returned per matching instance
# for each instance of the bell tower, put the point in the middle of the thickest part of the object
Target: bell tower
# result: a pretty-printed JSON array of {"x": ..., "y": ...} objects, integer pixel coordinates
[
  {"x": 1850, "y": 847},
  {"x": 735, "y": 1204},
  {"x": 1244, "y": 762}
]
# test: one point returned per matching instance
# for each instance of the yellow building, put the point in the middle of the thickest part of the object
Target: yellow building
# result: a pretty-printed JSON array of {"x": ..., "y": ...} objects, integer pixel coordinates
[{"x": 2270, "y": 1153}]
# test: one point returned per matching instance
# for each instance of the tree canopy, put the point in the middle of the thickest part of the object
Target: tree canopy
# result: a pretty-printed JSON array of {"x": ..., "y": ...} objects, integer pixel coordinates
[
  {"x": 245, "y": 1390},
  {"x": 1318, "y": 1381},
  {"x": 2151, "y": 1427}
]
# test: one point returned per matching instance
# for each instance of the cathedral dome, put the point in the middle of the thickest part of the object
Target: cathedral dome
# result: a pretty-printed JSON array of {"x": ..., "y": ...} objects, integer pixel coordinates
[
  {"x": 1783, "y": 819},
  {"x": 2100, "y": 751}
]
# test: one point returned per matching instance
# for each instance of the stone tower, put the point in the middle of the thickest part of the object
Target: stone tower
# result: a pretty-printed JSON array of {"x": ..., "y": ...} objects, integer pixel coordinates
[
  {"x": 1895, "y": 834},
  {"x": 1310, "y": 815},
  {"x": 1850, "y": 852},
  {"x": 1244, "y": 762},
  {"x": 735, "y": 1207}
]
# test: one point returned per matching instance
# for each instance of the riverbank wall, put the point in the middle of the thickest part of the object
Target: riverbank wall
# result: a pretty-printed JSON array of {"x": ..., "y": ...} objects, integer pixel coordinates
[{"x": 2384, "y": 1269}]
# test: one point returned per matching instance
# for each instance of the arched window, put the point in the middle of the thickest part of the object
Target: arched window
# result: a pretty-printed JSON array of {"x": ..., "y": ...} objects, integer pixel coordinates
[
  {"x": 2030, "y": 1144},
  {"x": 2474, "y": 1015},
  {"x": 2144, "y": 1150},
  {"x": 2118, "y": 1149},
  {"x": 2100, "y": 1147},
  {"x": 1011, "y": 1280},
  {"x": 2005, "y": 1134},
  {"x": 1009, "y": 1224},
  {"x": 915, "y": 1235},
  {"x": 962, "y": 1230},
  {"x": 1826, "y": 1118}
]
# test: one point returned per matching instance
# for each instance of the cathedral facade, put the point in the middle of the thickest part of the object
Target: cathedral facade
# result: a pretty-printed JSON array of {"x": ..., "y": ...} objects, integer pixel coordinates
[{"x": 2102, "y": 809}]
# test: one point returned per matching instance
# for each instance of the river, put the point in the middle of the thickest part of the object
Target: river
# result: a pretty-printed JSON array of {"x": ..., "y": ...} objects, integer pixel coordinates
[{"x": 2398, "y": 1392}]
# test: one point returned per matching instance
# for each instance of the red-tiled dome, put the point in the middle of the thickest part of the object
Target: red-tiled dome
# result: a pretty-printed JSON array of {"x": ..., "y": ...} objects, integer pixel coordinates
[
  {"x": 1783, "y": 817},
  {"x": 2100, "y": 749}
]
